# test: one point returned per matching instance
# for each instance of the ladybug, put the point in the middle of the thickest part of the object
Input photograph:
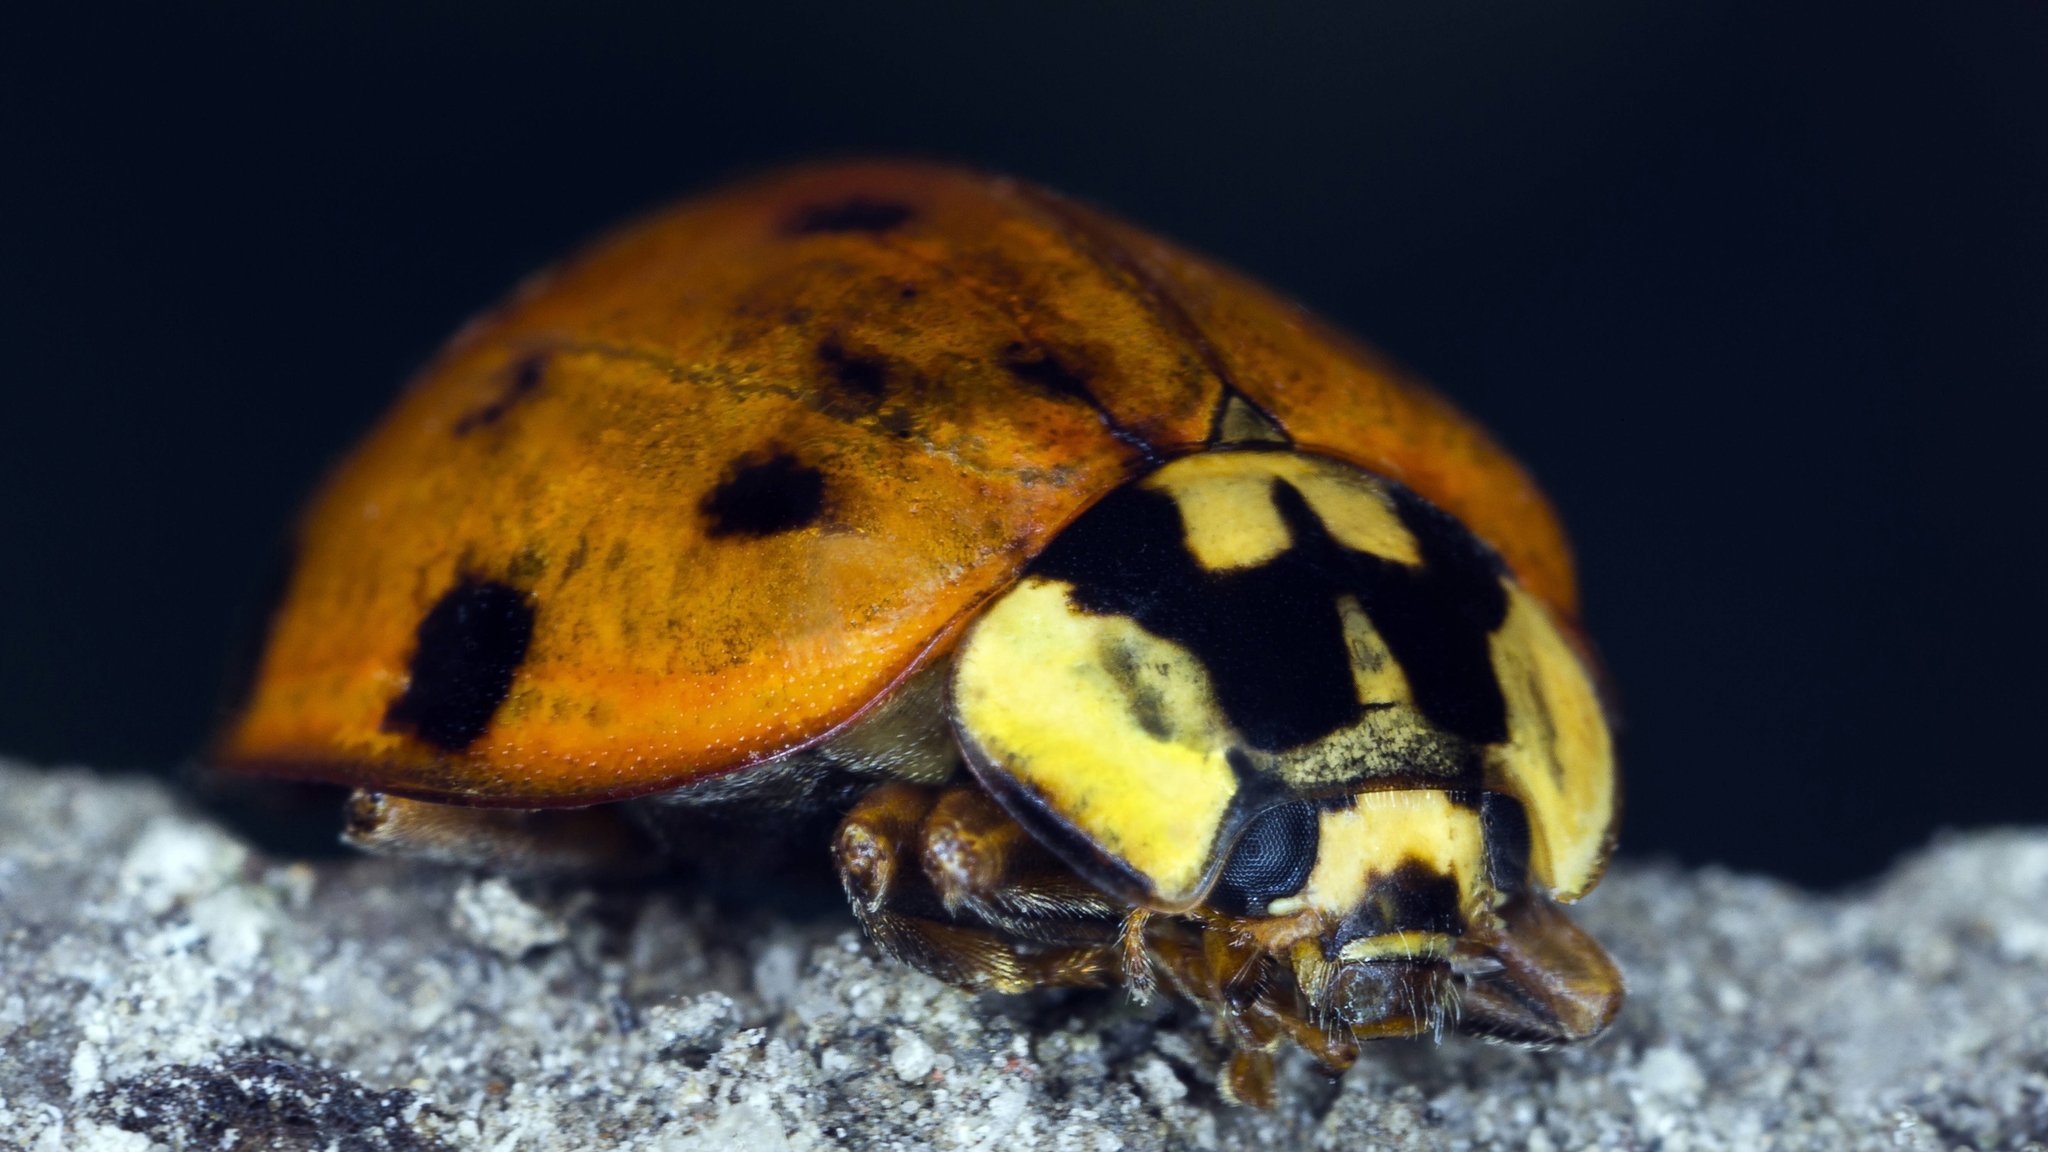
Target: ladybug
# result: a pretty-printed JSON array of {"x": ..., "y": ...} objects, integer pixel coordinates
[{"x": 1135, "y": 628}]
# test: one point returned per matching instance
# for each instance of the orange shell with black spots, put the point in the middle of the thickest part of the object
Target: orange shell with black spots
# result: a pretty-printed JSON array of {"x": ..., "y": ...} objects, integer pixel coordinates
[{"x": 720, "y": 481}]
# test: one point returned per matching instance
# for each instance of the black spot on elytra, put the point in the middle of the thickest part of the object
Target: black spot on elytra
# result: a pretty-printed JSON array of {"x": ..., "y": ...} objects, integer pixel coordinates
[
  {"x": 525, "y": 380},
  {"x": 853, "y": 214},
  {"x": 1270, "y": 635},
  {"x": 527, "y": 566},
  {"x": 899, "y": 422},
  {"x": 578, "y": 557},
  {"x": 765, "y": 494},
  {"x": 1272, "y": 859},
  {"x": 1042, "y": 369},
  {"x": 615, "y": 556},
  {"x": 860, "y": 379},
  {"x": 266, "y": 1095},
  {"x": 1414, "y": 897},
  {"x": 1039, "y": 368},
  {"x": 469, "y": 647}
]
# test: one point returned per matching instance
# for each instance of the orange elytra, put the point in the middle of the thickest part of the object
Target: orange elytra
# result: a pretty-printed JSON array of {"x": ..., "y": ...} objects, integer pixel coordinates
[{"x": 912, "y": 375}]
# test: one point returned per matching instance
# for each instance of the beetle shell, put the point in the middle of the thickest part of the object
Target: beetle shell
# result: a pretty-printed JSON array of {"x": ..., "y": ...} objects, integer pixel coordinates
[
  {"x": 1135, "y": 627},
  {"x": 701, "y": 495}
]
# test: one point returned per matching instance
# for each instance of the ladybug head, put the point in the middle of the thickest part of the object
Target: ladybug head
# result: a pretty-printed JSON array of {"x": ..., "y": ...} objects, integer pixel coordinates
[
  {"x": 1265, "y": 686},
  {"x": 1378, "y": 902}
]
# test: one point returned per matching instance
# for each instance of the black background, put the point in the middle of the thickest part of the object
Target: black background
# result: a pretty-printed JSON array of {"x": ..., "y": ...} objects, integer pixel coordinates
[{"x": 1757, "y": 290}]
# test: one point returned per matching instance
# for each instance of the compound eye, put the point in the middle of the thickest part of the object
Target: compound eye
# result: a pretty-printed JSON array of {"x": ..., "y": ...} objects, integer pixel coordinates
[{"x": 1272, "y": 859}]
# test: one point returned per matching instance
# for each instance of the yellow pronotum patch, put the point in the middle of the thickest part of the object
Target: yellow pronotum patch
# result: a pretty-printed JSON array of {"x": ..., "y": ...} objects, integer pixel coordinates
[
  {"x": 1559, "y": 757},
  {"x": 1114, "y": 727},
  {"x": 1230, "y": 521}
]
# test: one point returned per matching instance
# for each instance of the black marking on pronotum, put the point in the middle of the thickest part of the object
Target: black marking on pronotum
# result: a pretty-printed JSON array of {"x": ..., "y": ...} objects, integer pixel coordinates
[
  {"x": 525, "y": 379},
  {"x": 853, "y": 214},
  {"x": 468, "y": 648},
  {"x": 1143, "y": 699},
  {"x": 763, "y": 494},
  {"x": 1504, "y": 826},
  {"x": 1270, "y": 635},
  {"x": 1414, "y": 897},
  {"x": 1272, "y": 858},
  {"x": 1437, "y": 622},
  {"x": 1042, "y": 369}
]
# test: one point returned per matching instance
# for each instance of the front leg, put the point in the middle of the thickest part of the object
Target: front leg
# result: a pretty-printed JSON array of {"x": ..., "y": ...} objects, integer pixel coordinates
[
  {"x": 983, "y": 866},
  {"x": 1252, "y": 999},
  {"x": 881, "y": 851}
]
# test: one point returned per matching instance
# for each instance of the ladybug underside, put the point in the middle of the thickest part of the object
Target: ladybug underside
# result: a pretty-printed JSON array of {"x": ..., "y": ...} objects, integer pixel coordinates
[{"x": 1136, "y": 631}]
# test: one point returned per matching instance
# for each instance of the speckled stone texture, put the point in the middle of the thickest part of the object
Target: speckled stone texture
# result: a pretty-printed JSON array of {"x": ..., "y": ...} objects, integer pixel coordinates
[{"x": 165, "y": 985}]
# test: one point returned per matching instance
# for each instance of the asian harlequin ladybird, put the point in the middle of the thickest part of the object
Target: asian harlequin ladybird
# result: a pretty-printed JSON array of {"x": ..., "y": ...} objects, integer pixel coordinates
[{"x": 1139, "y": 629}]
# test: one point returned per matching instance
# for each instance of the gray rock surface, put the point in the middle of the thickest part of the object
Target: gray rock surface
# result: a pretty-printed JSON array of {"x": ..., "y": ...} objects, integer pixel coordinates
[{"x": 165, "y": 985}]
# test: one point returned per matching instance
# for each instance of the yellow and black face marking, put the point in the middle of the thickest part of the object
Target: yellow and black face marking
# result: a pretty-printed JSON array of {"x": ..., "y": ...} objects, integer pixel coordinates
[
  {"x": 1292, "y": 700},
  {"x": 1193, "y": 692}
]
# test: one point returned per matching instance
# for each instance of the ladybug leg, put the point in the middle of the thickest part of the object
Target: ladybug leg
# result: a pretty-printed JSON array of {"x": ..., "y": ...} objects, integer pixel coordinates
[
  {"x": 1186, "y": 959},
  {"x": 568, "y": 841},
  {"x": 984, "y": 866},
  {"x": 1231, "y": 976},
  {"x": 878, "y": 854},
  {"x": 1248, "y": 1075},
  {"x": 870, "y": 847}
]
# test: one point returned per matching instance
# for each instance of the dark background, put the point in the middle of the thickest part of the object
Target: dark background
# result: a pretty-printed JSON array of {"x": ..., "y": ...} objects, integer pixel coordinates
[{"x": 1756, "y": 289}]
